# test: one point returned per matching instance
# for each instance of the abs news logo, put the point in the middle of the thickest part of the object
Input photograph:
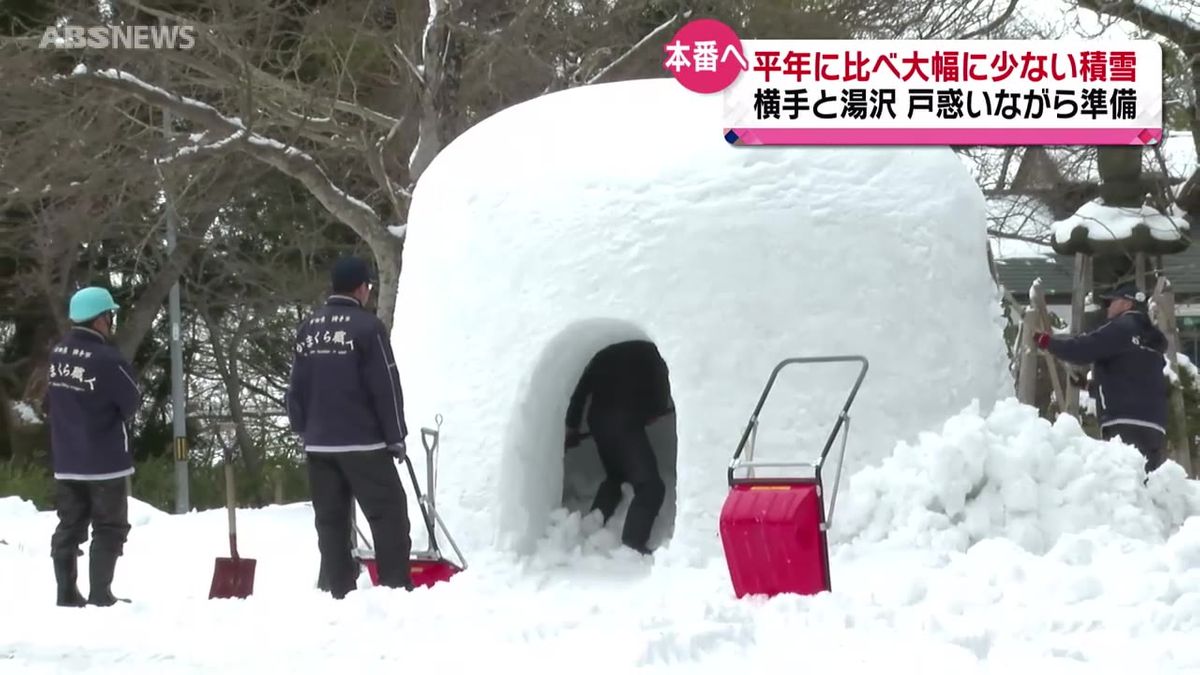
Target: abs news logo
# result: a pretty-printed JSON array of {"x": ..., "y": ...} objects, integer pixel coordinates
[{"x": 118, "y": 37}]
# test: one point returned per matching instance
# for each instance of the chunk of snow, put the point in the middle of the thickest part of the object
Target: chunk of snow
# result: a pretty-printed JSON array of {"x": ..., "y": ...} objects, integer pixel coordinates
[
  {"x": 1104, "y": 222},
  {"x": 729, "y": 259},
  {"x": 80, "y": 69},
  {"x": 398, "y": 230},
  {"x": 26, "y": 413}
]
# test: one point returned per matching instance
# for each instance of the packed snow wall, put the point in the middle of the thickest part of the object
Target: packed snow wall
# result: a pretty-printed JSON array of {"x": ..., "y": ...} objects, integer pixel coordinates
[{"x": 618, "y": 212}]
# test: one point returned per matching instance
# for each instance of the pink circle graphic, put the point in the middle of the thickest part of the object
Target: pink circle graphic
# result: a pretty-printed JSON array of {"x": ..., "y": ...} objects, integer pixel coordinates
[{"x": 705, "y": 56}]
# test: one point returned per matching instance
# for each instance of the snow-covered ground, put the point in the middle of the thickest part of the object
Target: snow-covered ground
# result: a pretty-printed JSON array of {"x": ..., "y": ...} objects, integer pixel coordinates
[{"x": 999, "y": 544}]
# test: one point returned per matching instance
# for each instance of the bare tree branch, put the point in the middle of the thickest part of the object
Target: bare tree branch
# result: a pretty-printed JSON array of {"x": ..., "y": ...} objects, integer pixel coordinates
[
  {"x": 993, "y": 24},
  {"x": 640, "y": 43}
]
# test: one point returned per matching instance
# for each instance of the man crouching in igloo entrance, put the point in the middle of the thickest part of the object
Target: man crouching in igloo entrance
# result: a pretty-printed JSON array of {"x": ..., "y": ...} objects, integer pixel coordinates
[
  {"x": 626, "y": 388},
  {"x": 617, "y": 212}
]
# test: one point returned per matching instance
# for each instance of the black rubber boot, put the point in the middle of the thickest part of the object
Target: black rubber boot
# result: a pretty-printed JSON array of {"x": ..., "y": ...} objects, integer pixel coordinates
[
  {"x": 66, "y": 574},
  {"x": 100, "y": 569}
]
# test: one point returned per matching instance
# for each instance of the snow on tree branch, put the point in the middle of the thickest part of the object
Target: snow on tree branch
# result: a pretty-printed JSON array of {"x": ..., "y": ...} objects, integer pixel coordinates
[
  {"x": 287, "y": 159},
  {"x": 1176, "y": 10},
  {"x": 1164, "y": 17},
  {"x": 198, "y": 147}
]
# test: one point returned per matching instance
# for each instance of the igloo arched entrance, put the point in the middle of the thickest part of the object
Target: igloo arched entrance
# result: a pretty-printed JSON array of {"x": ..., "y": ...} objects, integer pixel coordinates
[{"x": 537, "y": 475}]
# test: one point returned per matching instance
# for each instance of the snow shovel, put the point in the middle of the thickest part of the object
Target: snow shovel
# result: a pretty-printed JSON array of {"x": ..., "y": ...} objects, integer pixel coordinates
[
  {"x": 233, "y": 577},
  {"x": 430, "y": 566}
]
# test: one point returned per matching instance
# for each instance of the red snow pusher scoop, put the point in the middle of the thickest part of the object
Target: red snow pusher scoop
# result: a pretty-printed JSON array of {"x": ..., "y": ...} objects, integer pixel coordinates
[
  {"x": 774, "y": 529},
  {"x": 427, "y": 567}
]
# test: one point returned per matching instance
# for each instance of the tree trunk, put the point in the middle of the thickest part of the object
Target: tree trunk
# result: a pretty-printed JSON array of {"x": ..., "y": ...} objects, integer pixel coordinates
[
  {"x": 137, "y": 320},
  {"x": 225, "y": 354},
  {"x": 388, "y": 252}
]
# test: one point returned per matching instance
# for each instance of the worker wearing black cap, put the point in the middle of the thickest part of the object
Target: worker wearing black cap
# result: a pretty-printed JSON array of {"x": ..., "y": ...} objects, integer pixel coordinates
[
  {"x": 344, "y": 399},
  {"x": 1127, "y": 358}
]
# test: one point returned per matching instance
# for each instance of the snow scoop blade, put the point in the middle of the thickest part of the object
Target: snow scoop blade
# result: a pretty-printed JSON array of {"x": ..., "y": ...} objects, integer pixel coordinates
[
  {"x": 773, "y": 539},
  {"x": 424, "y": 572},
  {"x": 429, "y": 572},
  {"x": 232, "y": 578}
]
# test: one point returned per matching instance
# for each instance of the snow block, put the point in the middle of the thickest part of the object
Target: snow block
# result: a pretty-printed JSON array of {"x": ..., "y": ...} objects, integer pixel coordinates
[
  {"x": 773, "y": 540},
  {"x": 618, "y": 212}
]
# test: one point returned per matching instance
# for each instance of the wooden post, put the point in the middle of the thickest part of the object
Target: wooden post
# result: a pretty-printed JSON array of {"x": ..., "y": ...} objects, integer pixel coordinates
[
  {"x": 1179, "y": 442},
  {"x": 1027, "y": 374},
  {"x": 278, "y": 484},
  {"x": 1038, "y": 301},
  {"x": 1079, "y": 290}
]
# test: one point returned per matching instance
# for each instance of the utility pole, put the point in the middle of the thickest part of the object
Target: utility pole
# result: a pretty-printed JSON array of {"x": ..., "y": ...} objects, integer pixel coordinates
[{"x": 178, "y": 400}]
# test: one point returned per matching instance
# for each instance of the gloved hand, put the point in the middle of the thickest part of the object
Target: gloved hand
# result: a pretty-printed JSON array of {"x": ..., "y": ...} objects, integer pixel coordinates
[
  {"x": 1042, "y": 340},
  {"x": 398, "y": 450}
]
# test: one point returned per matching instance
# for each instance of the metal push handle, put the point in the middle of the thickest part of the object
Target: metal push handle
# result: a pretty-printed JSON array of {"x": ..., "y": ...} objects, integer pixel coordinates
[
  {"x": 843, "y": 422},
  {"x": 843, "y": 418},
  {"x": 431, "y": 439},
  {"x": 425, "y": 501}
]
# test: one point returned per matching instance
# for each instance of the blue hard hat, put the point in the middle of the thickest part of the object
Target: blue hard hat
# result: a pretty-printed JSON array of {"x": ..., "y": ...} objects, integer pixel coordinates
[{"x": 89, "y": 303}]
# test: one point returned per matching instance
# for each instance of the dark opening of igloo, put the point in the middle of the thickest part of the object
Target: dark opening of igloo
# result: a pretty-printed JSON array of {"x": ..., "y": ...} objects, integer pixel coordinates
[{"x": 622, "y": 406}]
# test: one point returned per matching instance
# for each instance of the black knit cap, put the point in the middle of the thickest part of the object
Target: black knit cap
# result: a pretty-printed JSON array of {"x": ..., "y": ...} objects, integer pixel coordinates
[
  {"x": 348, "y": 273},
  {"x": 1128, "y": 291}
]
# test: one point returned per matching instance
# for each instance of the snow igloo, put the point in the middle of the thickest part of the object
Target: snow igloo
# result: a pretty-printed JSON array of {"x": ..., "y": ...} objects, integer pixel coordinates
[{"x": 618, "y": 212}]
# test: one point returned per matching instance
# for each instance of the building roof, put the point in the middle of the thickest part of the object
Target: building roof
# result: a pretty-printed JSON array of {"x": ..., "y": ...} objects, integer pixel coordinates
[{"x": 1056, "y": 273}]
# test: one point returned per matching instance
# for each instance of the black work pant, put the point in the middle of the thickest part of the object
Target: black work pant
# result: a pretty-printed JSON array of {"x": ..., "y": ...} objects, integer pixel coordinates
[
  {"x": 628, "y": 457},
  {"x": 1152, "y": 443},
  {"x": 336, "y": 480},
  {"x": 102, "y": 504}
]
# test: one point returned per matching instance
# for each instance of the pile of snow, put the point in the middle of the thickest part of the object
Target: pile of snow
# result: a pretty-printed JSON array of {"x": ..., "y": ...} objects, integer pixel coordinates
[
  {"x": 1110, "y": 223},
  {"x": 141, "y": 513},
  {"x": 14, "y": 508},
  {"x": 1012, "y": 475},
  {"x": 531, "y": 246}
]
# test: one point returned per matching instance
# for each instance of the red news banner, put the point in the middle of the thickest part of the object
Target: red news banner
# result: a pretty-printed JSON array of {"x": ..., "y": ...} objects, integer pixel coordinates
[{"x": 932, "y": 92}]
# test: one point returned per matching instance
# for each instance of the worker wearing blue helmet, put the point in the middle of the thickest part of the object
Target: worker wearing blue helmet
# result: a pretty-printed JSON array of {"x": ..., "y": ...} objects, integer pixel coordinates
[
  {"x": 91, "y": 397},
  {"x": 1127, "y": 354}
]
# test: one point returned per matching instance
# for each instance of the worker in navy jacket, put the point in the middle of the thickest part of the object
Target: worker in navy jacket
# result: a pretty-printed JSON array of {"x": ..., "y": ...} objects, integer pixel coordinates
[
  {"x": 1127, "y": 358},
  {"x": 345, "y": 401},
  {"x": 91, "y": 398}
]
